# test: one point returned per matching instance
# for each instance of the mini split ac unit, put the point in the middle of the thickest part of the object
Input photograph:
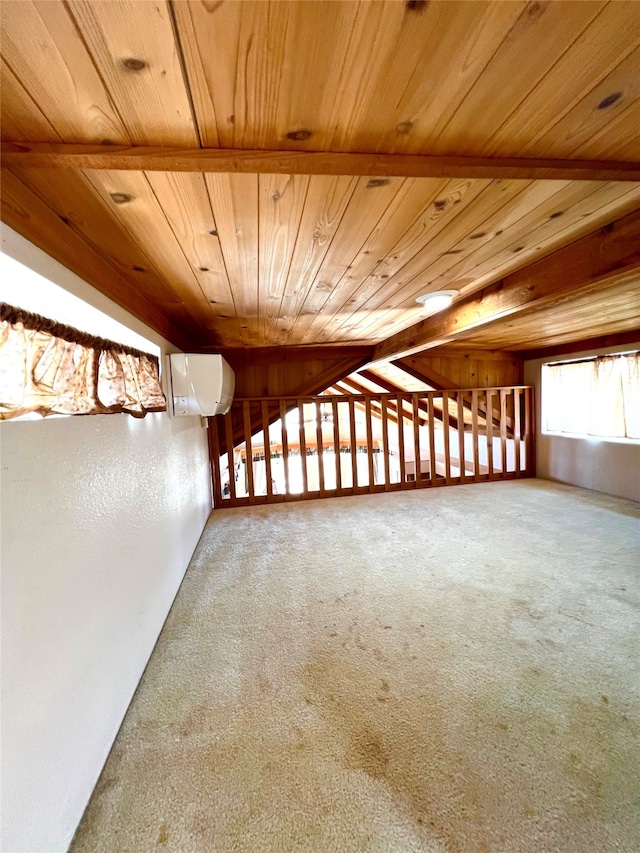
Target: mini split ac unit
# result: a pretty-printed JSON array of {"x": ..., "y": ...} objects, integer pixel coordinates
[{"x": 201, "y": 384}]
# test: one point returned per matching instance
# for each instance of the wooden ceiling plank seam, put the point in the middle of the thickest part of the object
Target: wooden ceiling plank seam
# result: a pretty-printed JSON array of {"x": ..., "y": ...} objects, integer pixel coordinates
[
  {"x": 41, "y": 43},
  {"x": 363, "y": 213},
  {"x": 315, "y": 234},
  {"x": 422, "y": 232},
  {"x": 76, "y": 203},
  {"x": 134, "y": 50},
  {"x": 488, "y": 203},
  {"x": 281, "y": 208},
  {"x": 183, "y": 67},
  {"x": 608, "y": 255},
  {"x": 131, "y": 212},
  {"x": 162, "y": 158},
  {"x": 373, "y": 261},
  {"x": 234, "y": 201},
  {"x": 588, "y": 119},
  {"x": 23, "y": 211},
  {"x": 231, "y": 324},
  {"x": 567, "y": 235},
  {"x": 549, "y": 26},
  {"x": 18, "y": 106},
  {"x": 185, "y": 203},
  {"x": 580, "y": 68},
  {"x": 491, "y": 263}
]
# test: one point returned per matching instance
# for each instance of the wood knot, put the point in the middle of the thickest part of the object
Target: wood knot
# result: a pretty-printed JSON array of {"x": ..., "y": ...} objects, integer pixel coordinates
[
  {"x": 478, "y": 236},
  {"x": 138, "y": 269},
  {"x": 203, "y": 269},
  {"x": 121, "y": 198},
  {"x": 440, "y": 203},
  {"x": 213, "y": 232},
  {"x": 276, "y": 196},
  {"x": 556, "y": 214},
  {"x": 404, "y": 127},
  {"x": 609, "y": 101},
  {"x": 132, "y": 64},
  {"x": 299, "y": 135},
  {"x": 416, "y": 5},
  {"x": 377, "y": 182},
  {"x": 518, "y": 248}
]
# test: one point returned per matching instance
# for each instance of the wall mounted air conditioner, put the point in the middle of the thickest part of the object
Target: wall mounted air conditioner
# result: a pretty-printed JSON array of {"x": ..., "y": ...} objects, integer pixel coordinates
[{"x": 201, "y": 384}]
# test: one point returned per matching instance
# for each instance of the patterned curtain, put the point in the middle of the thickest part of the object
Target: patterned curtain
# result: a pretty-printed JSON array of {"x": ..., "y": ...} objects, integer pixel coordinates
[{"x": 49, "y": 368}]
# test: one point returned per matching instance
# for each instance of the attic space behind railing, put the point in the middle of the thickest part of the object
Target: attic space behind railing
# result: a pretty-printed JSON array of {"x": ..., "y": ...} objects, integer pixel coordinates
[{"x": 329, "y": 445}]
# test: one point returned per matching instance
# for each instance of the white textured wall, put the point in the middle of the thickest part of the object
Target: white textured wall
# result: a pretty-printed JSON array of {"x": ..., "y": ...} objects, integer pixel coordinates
[
  {"x": 604, "y": 466},
  {"x": 100, "y": 516}
]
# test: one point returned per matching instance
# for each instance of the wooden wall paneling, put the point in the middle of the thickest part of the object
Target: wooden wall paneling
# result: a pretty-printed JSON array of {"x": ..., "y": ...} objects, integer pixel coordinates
[
  {"x": 40, "y": 45},
  {"x": 281, "y": 201},
  {"x": 326, "y": 201},
  {"x": 134, "y": 50},
  {"x": 28, "y": 215},
  {"x": 143, "y": 217},
  {"x": 234, "y": 202},
  {"x": 485, "y": 107},
  {"x": 365, "y": 208},
  {"x": 246, "y": 417},
  {"x": 590, "y": 59},
  {"x": 185, "y": 203}
]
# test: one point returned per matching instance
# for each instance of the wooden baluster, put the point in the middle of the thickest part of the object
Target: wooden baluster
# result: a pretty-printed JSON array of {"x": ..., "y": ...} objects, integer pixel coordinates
[
  {"x": 267, "y": 449},
  {"x": 285, "y": 446},
  {"x": 474, "y": 434},
  {"x": 230, "y": 457},
  {"x": 529, "y": 433},
  {"x": 367, "y": 414},
  {"x": 246, "y": 415},
  {"x": 336, "y": 442},
  {"x": 432, "y": 439},
  {"x": 319, "y": 447},
  {"x": 303, "y": 448},
  {"x": 516, "y": 429},
  {"x": 353, "y": 442},
  {"x": 461, "y": 453},
  {"x": 489, "y": 431},
  {"x": 503, "y": 430},
  {"x": 416, "y": 439},
  {"x": 403, "y": 473},
  {"x": 447, "y": 437},
  {"x": 214, "y": 455},
  {"x": 385, "y": 441}
]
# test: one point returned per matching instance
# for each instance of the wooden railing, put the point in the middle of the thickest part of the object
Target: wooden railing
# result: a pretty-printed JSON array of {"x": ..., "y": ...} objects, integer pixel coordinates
[{"x": 329, "y": 445}]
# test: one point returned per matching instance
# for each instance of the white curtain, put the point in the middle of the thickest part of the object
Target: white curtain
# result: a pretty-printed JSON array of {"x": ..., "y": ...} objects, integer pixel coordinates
[{"x": 599, "y": 397}]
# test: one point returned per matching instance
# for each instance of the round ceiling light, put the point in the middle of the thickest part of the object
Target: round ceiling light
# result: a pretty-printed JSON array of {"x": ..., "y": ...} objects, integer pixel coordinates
[{"x": 438, "y": 300}]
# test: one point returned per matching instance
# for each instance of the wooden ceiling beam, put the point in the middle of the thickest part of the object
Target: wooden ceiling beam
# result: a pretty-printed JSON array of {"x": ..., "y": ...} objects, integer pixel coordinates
[
  {"x": 612, "y": 342},
  {"x": 53, "y": 155},
  {"x": 611, "y": 254}
]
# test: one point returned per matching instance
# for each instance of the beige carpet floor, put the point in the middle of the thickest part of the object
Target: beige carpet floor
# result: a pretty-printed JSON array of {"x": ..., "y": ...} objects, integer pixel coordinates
[{"x": 446, "y": 671}]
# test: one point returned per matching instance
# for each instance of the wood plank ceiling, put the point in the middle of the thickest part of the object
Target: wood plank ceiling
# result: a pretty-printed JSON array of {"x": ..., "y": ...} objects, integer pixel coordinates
[{"x": 234, "y": 259}]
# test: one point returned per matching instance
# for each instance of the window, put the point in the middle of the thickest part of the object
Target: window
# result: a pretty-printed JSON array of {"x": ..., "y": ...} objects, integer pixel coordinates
[{"x": 597, "y": 396}]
